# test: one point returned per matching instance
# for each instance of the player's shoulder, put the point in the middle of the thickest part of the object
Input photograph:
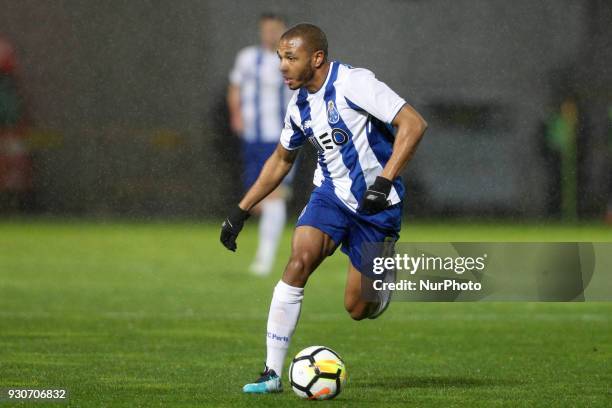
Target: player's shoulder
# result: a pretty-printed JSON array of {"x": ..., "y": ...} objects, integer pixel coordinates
[{"x": 352, "y": 76}]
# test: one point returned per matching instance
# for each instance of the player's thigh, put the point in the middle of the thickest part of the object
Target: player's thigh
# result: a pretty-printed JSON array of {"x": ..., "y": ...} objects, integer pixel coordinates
[{"x": 309, "y": 247}]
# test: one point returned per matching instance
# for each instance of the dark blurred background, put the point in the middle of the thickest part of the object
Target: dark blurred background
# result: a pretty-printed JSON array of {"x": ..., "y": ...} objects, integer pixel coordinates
[{"x": 117, "y": 108}]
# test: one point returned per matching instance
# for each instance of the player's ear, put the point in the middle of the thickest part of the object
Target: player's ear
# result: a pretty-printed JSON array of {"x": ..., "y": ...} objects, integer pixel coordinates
[{"x": 319, "y": 58}]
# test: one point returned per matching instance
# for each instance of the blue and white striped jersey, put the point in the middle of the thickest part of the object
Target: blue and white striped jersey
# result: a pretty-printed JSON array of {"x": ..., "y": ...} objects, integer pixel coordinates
[
  {"x": 348, "y": 121},
  {"x": 263, "y": 94}
]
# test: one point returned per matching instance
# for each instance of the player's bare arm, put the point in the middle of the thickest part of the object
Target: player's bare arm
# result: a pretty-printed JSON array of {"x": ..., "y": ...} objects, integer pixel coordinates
[
  {"x": 410, "y": 127},
  {"x": 273, "y": 172}
]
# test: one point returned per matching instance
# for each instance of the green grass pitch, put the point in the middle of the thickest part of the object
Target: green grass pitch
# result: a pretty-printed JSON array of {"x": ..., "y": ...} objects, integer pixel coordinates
[{"x": 159, "y": 314}]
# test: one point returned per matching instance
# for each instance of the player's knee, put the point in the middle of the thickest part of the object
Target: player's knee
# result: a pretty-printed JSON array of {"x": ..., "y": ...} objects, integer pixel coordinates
[
  {"x": 358, "y": 314},
  {"x": 357, "y": 310},
  {"x": 298, "y": 269}
]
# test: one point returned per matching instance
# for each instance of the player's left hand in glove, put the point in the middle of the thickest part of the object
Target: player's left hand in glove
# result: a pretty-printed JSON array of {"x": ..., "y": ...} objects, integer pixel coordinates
[
  {"x": 232, "y": 226},
  {"x": 375, "y": 198}
]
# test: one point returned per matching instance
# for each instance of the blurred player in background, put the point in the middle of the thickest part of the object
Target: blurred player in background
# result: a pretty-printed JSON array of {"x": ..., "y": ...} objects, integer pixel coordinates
[
  {"x": 364, "y": 134},
  {"x": 257, "y": 99}
]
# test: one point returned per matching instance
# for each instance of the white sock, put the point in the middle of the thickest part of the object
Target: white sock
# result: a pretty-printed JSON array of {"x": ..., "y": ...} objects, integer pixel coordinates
[
  {"x": 282, "y": 319},
  {"x": 271, "y": 224}
]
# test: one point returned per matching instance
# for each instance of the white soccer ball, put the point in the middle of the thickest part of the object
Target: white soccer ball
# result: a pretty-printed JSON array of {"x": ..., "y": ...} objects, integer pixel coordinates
[{"x": 317, "y": 372}]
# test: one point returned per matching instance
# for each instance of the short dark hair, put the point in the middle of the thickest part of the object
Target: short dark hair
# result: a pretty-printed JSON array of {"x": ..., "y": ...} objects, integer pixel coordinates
[
  {"x": 272, "y": 16},
  {"x": 313, "y": 36}
]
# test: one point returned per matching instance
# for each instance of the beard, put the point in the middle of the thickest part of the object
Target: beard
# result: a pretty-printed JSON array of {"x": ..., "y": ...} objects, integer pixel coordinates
[{"x": 305, "y": 76}]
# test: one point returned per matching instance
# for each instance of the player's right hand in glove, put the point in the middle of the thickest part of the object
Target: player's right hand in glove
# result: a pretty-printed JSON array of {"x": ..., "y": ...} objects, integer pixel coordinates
[
  {"x": 232, "y": 226},
  {"x": 375, "y": 198}
]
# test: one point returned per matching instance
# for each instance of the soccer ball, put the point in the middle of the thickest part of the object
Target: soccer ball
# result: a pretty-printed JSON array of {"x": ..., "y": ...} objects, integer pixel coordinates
[{"x": 317, "y": 372}]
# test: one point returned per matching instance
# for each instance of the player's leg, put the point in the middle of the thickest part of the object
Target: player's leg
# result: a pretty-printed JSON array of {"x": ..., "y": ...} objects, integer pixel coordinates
[
  {"x": 361, "y": 300},
  {"x": 354, "y": 302},
  {"x": 369, "y": 236},
  {"x": 308, "y": 249}
]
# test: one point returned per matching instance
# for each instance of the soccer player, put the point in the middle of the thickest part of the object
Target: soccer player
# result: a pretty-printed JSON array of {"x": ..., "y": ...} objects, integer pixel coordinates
[
  {"x": 348, "y": 115},
  {"x": 257, "y": 99}
]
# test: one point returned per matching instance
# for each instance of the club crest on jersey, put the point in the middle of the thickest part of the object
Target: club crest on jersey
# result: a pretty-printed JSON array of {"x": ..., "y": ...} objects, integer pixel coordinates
[{"x": 332, "y": 113}]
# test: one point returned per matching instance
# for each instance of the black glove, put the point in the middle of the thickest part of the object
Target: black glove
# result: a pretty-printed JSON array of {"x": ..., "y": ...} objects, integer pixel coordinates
[
  {"x": 375, "y": 198},
  {"x": 232, "y": 226}
]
